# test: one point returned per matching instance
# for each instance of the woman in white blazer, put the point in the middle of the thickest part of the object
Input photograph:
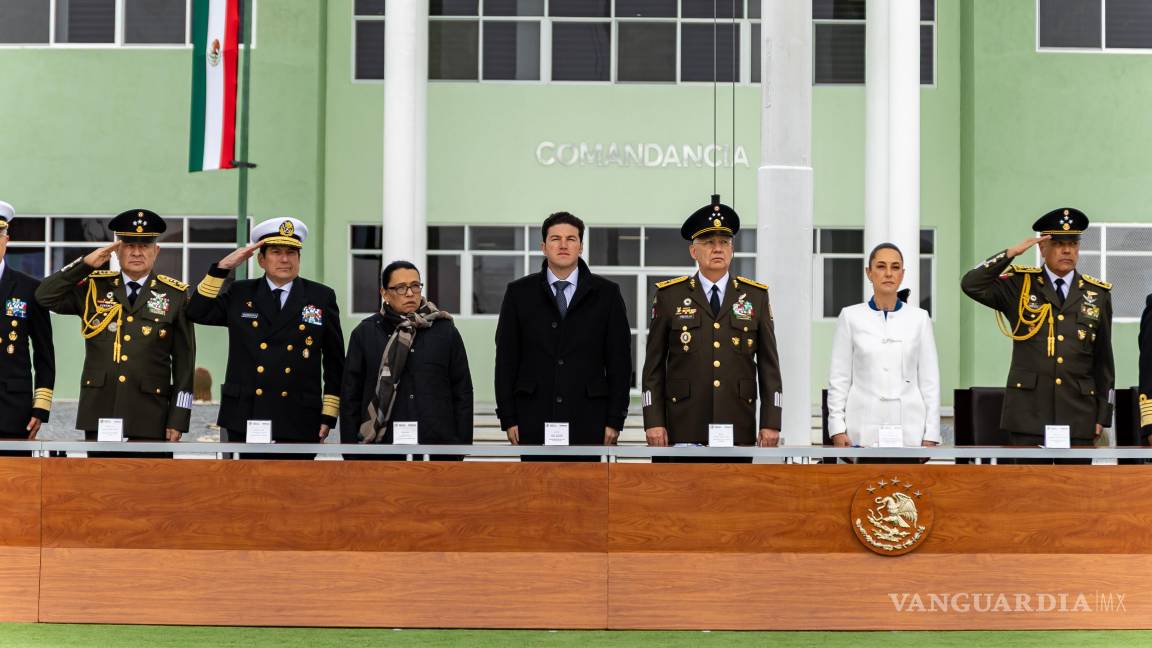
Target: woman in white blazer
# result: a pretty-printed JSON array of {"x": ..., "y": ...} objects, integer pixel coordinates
[{"x": 884, "y": 367}]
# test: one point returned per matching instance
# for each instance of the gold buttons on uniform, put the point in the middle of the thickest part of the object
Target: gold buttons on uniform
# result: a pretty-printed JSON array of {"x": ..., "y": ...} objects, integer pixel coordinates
[
  {"x": 715, "y": 363},
  {"x": 287, "y": 370},
  {"x": 1059, "y": 382},
  {"x": 1060, "y": 338},
  {"x": 289, "y": 347},
  {"x": 715, "y": 383},
  {"x": 157, "y": 390},
  {"x": 255, "y": 324},
  {"x": 716, "y": 345},
  {"x": 127, "y": 338},
  {"x": 1018, "y": 385},
  {"x": 263, "y": 345},
  {"x": 284, "y": 394},
  {"x": 683, "y": 328},
  {"x": 301, "y": 327},
  {"x": 1059, "y": 360},
  {"x": 715, "y": 325},
  {"x": 1060, "y": 317},
  {"x": 130, "y": 318},
  {"x": 123, "y": 358},
  {"x": 260, "y": 369},
  {"x": 259, "y": 392},
  {"x": 123, "y": 378},
  {"x": 745, "y": 329}
]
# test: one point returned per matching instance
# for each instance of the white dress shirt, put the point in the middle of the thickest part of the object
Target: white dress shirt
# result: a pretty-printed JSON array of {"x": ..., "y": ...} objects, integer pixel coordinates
[
  {"x": 1052, "y": 276},
  {"x": 287, "y": 288},
  {"x": 142, "y": 282},
  {"x": 570, "y": 289},
  {"x": 884, "y": 371},
  {"x": 707, "y": 286}
]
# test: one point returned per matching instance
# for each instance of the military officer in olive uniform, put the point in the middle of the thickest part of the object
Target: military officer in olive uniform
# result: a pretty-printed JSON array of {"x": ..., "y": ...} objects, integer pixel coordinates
[
  {"x": 25, "y": 401},
  {"x": 711, "y": 346},
  {"x": 140, "y": 347},
  {"x": 1060, "y": 321},
  {"x": 285, "y": 346}
]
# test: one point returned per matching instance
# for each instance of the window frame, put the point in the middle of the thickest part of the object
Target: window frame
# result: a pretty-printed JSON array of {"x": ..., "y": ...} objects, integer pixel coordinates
[
  {"x": 1102, "y": 253},
  {"x": 931, "y": 24},
  {"x": 1103, "y": 49}
]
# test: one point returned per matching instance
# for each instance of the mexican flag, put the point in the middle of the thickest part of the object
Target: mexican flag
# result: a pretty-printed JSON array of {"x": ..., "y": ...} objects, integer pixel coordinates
[{"x": 215, "y": 27}]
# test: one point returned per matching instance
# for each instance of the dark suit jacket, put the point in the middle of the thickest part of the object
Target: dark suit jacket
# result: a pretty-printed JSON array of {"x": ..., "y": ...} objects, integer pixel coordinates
[
  {"x": 575, "y": 369},
  {"x": 284, "y": 366},
  {"x": 1145, "y": 385},
  {"x": 25, "y": 320},
  {"x": 435, "y": 388}
]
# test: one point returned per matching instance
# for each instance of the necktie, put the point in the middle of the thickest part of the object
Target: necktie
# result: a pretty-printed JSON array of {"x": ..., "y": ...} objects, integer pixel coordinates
[
  {"x": 1060, "y": 290},
  {"x": 133, "y": 290},
  {"x": 561, "y": 300},
  {"x": 276, "y": 294},
  {"x": 714, "y": 302}
]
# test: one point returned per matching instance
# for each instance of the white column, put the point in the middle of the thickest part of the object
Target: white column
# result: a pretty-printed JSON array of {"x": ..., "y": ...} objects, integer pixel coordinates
[
  {"x": 405, "y": 133},
  {"x": 892, "y": 139},
  {"x": 784, "y": 205}
]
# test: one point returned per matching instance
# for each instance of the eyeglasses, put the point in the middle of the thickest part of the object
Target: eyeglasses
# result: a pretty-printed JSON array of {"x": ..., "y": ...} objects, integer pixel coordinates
[{"x": 407, "y": 289}]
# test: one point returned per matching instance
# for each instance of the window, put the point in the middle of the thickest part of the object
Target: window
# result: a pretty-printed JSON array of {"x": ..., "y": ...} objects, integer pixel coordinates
[
  {"x": 838, "y": 275},
  {"x": 41, "y": 245},
  {"x": 368, "y": 39},
  {"x": 1122, "y": 255},
  {"x": 1094, "y": 24},
  {"x": 838, "y": 41},
  {"x": 494, "y": 40},
  {"x": 96, "y": 22}
]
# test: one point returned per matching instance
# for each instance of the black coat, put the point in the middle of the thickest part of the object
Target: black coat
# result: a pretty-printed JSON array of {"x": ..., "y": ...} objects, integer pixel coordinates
[
  {"x": 435, "y": 388},
  {"x": 282, "y": 366},
  {"x": 21, "y": 395},
  {"x": 576, "y": 369}
]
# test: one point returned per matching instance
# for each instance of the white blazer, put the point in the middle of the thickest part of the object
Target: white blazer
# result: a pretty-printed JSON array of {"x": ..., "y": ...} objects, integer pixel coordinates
[{"x": 884, "y": 372}]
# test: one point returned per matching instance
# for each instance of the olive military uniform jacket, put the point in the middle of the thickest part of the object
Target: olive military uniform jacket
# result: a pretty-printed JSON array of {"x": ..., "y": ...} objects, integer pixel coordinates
[
  {"x": 702, "y": 369},
  {"x": 139, "y": 359},
  {"x": 1145, "y": 385},
  {"x": 284, "y": 365},
  {"x": 1064, "y": 373},
  {"x": 23, "y": 396}
]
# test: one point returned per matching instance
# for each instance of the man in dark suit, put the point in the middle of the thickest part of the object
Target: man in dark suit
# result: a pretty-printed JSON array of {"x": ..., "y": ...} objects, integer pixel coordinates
[
  {"x": 563, "y": 348},
  {"x": 24, "y": 402},
  {"x": 285, "y": 348},
  {"x": 1060, "y": 322}
]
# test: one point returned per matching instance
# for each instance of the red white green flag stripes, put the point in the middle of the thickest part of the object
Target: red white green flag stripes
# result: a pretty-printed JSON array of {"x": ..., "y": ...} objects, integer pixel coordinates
[{"x": 215, "y": 25}]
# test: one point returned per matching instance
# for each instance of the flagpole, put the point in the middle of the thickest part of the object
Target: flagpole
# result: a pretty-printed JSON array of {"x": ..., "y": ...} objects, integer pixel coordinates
[{"x": 242, "y": 163}]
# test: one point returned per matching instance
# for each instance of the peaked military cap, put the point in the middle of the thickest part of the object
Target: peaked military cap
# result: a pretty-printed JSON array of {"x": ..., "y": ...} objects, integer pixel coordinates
[
  {"x": 712, "y": 218},
  {"x": 138, "y": 226},
  {"x": 7, "y": 213},
  {"x": 1063, "y": 224},
  {"x": 290, "y": 232}
]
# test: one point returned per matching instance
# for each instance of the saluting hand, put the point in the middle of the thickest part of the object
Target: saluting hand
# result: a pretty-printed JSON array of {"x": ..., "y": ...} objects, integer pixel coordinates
[
  {"x": 97, "y": 258},
  {"x": 238, "y": 256},
  {"x": 1023, "y": 246}
]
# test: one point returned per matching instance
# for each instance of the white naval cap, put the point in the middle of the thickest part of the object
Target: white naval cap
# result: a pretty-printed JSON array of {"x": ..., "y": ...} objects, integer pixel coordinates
[
  {"x": 280, "y": 231},
  {"x": 7, "y": 213}
]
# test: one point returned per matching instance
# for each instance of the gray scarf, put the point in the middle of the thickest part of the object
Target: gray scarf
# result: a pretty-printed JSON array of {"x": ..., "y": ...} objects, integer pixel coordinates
[{"x": 392, "y": 365}]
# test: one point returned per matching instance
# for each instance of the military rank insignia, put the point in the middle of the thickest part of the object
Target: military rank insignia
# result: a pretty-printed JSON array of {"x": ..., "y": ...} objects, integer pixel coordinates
[
  {"x": 312, "y": 315},
  {"x": 16, "y": 307},
  {"x": 158, "y": 303},
  {"x": 743, "y": 308},
  {"x": 1089, "y": 311}
]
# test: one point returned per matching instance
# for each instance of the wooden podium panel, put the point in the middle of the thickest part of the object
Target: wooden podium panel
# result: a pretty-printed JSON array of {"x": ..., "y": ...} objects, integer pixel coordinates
[{"x": 19, "y": 539}]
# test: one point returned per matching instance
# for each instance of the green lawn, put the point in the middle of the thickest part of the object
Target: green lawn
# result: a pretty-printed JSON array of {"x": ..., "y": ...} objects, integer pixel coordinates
[{"x": 14, "y": 635}]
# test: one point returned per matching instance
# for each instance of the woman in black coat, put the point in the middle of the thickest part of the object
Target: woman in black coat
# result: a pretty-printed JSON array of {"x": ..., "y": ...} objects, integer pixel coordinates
[{"x": 434, "y": 386}]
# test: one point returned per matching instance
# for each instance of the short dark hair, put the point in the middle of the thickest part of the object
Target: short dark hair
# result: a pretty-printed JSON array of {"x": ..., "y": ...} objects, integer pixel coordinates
[
  {"x": 386, "y": 273},
  {"x": 561, "y": 218},
  {"x": 884, "y": 246}
]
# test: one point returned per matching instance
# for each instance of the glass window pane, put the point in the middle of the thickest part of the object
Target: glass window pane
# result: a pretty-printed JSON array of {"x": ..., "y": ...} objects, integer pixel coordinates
[
  {"x": 30, "y": 261},
  {"x": 154, "y": 21},
  {"x": 366, "y": 283},
  {"x": 843, "y": 284},
  {"x": 1129, "y": 239},
  {"x": 712, "y": 8},
  {"x": 627, "y": 285},
  {"x": 453, "y": 7},
  {"x": 663, "y": 246},
  {"x": 925, "y": 285},
  {"x": 743, "y": 267},
  {"x": 512, "y": 51},
  {"x": 696, "y": 52},
  {"x": 490, "y": 276},
  {"x": 1128, "y": 23},
  {"x": 453, "y": 48},
  {"x": 614, "y": 246},
  {"x": 650, "y": 286},
  {"x": 450, "y": 237},
  {"x": 839, "y": 53},
  {"x": 170, "y": 262},
  {"x": 579, "y": 8},
  {"x": 581, "y": 51},
  {"x": 26, "y": 228},
  {"x": 647, "y": 52},
  {"x": 366, "y": 237},
  {"x": 754, "y": 9},
  {"x": 1088, "y": 264},
  {"x": 839, "y": 9},
  {"x": 24, "y": 21},
  {"x": 173, "y": 231},
  {"x": 1090, "y": 239},
  {"x": 745, "y": 240},
  {"x": 927, "y": 53},
  {"x": 754, "y": 59},
  {"x": 645, "y": 8},
  {"x": 535, "y": 238},
  {"x": 497, "y": 238},
  {"x": 81, "y": 229},
  {"x": 927, "y": 241},
  {"x": 927, "y": 9},
  {"x": 513, "y": 7},
  {"x": 85, "y": 21},
  {"x": 370, "y": 7},
  {"x": 842, "y": 241},
  {"x": 63, "y": 256},
  {"x": 370, "y": 49},
  {"x": 200, "y": 259},
  {"x": 1069, "y": 23},
  {"x": 1131, "y": 279},
  {"x": 444, "y": 281},
  {"x": 212, "y": 230}
]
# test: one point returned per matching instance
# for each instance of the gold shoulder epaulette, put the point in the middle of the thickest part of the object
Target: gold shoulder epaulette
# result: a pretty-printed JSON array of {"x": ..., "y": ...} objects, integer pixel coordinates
[
  {"x": 752, "y": 283},
  {"x": 100, "y": 274},
  {"x": 671, "y": 282},
  {"x": 1024, "y": 269},
  {"x": 1097, "y": 282},
  {"x": 175, "y": 283}
]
